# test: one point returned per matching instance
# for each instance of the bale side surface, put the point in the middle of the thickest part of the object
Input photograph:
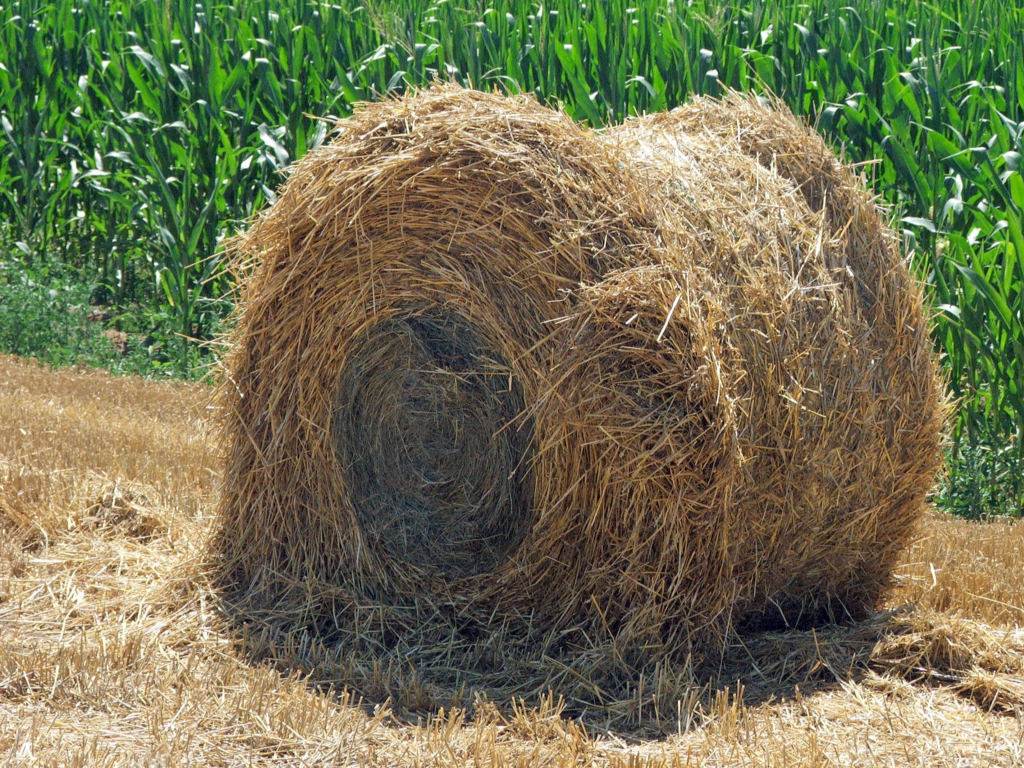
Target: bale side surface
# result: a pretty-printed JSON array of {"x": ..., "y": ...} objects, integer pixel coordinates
[{"x": 842, "y": 400}]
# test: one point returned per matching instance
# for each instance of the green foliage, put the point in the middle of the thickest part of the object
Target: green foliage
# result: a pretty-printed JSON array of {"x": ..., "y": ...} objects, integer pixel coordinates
[
  {"x": 135, "y": 136},
  {"x": 47, "y": 314},
  {"x": 983, "y": 482},
  {"x": 42, "y": 318}
]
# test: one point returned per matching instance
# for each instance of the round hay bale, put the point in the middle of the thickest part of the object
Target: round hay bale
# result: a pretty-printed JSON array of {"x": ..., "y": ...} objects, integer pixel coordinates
[{"x": 493, "y": 370}]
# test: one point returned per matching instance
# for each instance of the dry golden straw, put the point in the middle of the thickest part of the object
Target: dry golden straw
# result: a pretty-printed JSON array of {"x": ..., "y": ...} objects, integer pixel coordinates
[{"x": 498, "y": 375}]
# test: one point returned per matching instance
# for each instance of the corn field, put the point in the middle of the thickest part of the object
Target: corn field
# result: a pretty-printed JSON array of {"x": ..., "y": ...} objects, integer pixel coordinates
[{"x": 135, "y": 136}]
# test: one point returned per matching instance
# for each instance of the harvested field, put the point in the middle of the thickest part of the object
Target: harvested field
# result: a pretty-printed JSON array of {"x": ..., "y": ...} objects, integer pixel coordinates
[{"x": 113, "y": 650}]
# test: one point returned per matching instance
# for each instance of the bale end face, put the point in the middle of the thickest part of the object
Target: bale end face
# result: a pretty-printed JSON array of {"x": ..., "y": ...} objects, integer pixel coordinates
[{"x": 432, "y": 447}]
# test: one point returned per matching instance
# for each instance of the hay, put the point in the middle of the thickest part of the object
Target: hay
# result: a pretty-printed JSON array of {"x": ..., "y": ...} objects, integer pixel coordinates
[
  {"x": 498, "y": 376},
  {"x": 419, "y": 432},
  {"x": 121, "y": 510}
]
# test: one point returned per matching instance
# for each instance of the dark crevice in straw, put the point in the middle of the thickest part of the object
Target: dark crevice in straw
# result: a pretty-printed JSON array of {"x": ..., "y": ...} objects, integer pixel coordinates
[{"x": 422, "y": 430}]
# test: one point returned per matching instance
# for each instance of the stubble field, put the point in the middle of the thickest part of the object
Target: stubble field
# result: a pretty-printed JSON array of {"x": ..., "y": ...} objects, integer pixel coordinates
[{"x": 114, "y": 651}]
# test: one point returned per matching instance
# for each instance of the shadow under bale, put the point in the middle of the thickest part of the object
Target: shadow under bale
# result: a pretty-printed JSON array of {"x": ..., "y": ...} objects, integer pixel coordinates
[{"x": 509, "y": 396}]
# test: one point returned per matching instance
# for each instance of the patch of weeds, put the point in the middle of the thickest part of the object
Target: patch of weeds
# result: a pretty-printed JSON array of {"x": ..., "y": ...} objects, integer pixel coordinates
[
  {"x": 46, "y": 312},
  {"x": 984, "y": 479}
]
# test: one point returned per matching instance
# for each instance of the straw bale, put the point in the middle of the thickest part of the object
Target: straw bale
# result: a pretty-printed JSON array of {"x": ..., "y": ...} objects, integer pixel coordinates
[{"x": 496, "y": 374}]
